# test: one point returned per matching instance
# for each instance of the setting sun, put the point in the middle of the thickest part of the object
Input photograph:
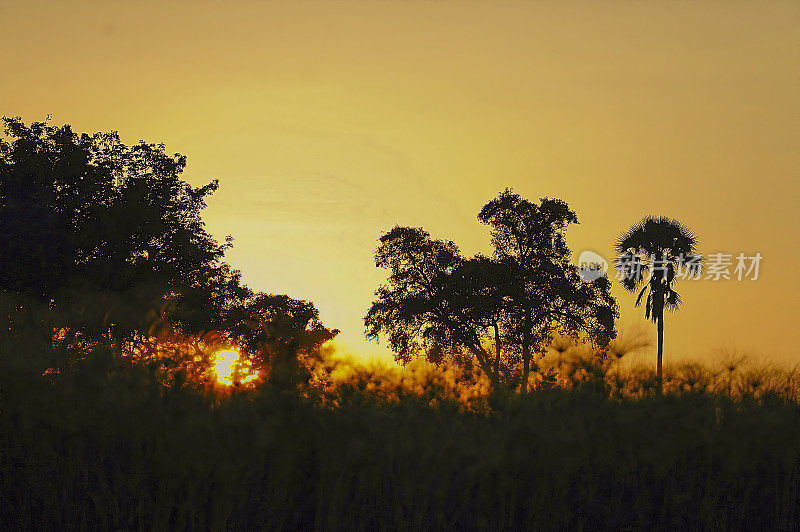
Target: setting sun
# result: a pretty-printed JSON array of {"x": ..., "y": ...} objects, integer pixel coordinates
[{"x": 228, "y": 364}]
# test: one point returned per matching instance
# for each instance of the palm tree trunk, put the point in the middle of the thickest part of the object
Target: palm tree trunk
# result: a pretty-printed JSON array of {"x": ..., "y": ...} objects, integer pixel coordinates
[{"x": 659, "y": 371}]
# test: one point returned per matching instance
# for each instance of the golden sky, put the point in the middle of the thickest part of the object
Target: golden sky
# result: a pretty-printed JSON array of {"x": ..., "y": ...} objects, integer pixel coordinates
[{"x": 329, "y": 122}]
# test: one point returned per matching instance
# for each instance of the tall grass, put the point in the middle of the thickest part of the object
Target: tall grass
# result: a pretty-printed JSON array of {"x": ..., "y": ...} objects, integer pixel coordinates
[{"x": 103, "y": 445}]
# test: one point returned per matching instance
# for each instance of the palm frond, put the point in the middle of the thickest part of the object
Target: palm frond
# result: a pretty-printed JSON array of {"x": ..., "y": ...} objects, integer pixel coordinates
[
  {"x": 657, "y": 234},
  {"x": 639, "y": 298},
  {"x": 672, "y": 301}
]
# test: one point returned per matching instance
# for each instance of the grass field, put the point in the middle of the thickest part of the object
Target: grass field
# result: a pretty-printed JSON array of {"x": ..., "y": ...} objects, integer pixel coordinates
[{"x": 105, "y": 446}]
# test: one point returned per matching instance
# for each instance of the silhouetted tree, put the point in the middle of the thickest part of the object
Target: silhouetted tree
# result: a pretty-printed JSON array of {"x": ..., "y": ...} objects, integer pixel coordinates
[
  {"x": 437, "y": 302},
  {"x": 275, "y": 330},
  {"x": 108, "y": 241},
  {"x": 105, "y": 233},
  {"x": 651, "y": 254},
  {"x": 417, "y": 308},
  {"x": 547, "y": 293},
  {"x": 478, "y": 290}
]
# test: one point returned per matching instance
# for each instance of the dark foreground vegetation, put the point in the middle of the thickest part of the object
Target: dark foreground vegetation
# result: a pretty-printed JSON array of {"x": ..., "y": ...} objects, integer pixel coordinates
[{"x": 107, "y": 446}]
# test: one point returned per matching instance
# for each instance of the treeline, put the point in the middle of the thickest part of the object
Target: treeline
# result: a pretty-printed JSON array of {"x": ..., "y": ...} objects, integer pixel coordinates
[
  {"x": 104, "y": 246},
  {"x": 501, "y": 313},
  {"x": 494, "y": 313}
]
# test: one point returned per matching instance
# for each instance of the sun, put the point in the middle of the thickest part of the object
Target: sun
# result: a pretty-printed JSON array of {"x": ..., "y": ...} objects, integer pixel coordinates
[{"x": 230, "y": 367}]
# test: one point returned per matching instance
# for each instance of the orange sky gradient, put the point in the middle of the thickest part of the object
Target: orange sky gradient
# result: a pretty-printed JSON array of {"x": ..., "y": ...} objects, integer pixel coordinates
[{"x": 329, "y": 122}]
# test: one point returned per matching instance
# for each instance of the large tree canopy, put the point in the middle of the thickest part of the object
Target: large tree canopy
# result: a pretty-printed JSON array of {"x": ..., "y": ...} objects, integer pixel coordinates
[
  {"x": 494, "y": 311},
  {"x": 110, "y": 240},
  {"x": 435, "y": 302},
  {"x": 107, "y": 233}
]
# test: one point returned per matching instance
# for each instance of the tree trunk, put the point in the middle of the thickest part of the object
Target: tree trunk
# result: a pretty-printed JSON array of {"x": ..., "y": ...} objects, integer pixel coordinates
[
  {"x": 526, "y": 352},
  {"x": 659, "y": 372},
  {"x": 526, "y": 370},
  {"x": 484, "y": 360},
  {"x": 496, "y": 369}
]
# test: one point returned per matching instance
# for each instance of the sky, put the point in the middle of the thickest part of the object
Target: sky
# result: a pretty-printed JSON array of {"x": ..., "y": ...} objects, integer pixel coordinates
[{"x": 328, "y": 123}]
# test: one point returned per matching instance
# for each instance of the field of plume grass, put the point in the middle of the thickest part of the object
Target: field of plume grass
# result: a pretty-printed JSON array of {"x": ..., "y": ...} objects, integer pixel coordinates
[{"x": 104, "y": 445}]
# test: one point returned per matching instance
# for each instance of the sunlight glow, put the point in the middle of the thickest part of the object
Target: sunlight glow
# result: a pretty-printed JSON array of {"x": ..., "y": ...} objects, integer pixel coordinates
[{"x": 228, "y": 365}]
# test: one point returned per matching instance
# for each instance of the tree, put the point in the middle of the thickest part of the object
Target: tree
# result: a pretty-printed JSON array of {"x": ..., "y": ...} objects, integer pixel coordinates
[
  {"x": 106, "y": 234},
  {"x": 439, "y": 303},
  {"x": 110, "y": 242},
  {"x": 660, "y": 247},
  {"x": 478, "y": 289},
  {"x": 275, "y": 330},
  {"x": 547, "y": 294},
  {"x": 421, "y": 306}
]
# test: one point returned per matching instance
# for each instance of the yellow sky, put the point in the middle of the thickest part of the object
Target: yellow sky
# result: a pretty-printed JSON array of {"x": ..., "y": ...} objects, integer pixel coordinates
[{"x": 329, "y": 122}]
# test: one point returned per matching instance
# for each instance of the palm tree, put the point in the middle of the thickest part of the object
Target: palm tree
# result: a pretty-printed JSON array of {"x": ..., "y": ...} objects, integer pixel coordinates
[{"x": 664, "y": 248}]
